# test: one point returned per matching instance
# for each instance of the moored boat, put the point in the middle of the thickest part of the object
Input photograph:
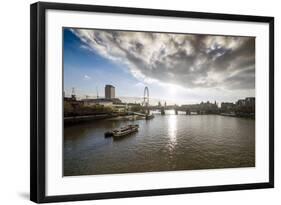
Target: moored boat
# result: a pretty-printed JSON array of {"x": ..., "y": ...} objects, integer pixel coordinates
[
  {"x": 149, "y": 116},
  {"x": 229, "y": 114}
]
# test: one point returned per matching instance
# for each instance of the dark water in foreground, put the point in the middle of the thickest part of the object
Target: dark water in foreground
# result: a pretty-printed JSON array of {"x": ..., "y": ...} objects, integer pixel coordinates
[{"x": 170, "y": 142}]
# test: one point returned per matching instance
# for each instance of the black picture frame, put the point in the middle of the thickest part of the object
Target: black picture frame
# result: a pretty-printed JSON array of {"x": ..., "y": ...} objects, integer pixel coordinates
[{"x": 38, "y": 100}]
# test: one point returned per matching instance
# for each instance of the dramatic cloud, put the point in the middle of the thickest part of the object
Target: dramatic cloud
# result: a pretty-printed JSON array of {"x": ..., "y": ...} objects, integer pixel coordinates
[{"x": 190, "y": 61}]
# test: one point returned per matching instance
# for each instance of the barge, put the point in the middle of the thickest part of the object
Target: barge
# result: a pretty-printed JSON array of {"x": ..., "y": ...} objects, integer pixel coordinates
[{"x": 122, "y": 131}]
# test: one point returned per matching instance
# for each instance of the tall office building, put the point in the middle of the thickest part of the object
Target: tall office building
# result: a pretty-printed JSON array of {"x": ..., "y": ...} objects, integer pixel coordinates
[{"x": 109, "y": 91}]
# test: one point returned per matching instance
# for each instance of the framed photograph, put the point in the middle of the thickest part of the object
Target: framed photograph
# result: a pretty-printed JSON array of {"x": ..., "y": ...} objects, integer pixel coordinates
[{"x": 129, "y": 102}]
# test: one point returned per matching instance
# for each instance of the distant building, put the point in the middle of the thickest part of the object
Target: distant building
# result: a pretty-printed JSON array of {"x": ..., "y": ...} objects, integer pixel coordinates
[
  {"x": 227, "y": 106},
  {"x": 101, "y": 101},
  {"x": 109, "y": 91},
  {"x": 115, "y": 103},
  {"x": 241, "y": 103},
  {"x": 246, "y": 105},
  {"x": 72, "y": 98},
  {"x": 206, "y": 106},
  {"x": 209, "y": 106},
  {"x": 159, "y": 104},
  {"x": 250, "y": 101}
]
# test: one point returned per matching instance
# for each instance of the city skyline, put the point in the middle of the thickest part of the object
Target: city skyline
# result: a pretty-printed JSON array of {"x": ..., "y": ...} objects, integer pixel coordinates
[
  {"x": 176, "y": 68},
  {"x": 139, "y": 100}
]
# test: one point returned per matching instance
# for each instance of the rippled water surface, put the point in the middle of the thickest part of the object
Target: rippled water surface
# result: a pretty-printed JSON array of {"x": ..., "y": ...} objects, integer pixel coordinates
[{"x": 169, "y": 142}]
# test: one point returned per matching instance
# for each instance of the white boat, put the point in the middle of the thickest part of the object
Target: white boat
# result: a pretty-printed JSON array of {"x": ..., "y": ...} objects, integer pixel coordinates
[{"x": 125, "y": 130}]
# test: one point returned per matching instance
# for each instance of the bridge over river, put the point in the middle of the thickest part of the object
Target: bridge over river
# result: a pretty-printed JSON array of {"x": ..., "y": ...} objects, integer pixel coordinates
[{"x": 188, "y": 110}]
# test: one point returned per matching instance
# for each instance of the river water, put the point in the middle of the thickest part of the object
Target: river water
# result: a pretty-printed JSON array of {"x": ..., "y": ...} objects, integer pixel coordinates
[{"x": 165, "y": 143}]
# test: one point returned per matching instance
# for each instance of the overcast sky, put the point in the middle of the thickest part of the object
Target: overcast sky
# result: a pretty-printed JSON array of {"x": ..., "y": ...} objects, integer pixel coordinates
[{"x": 179, "y": 68}]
